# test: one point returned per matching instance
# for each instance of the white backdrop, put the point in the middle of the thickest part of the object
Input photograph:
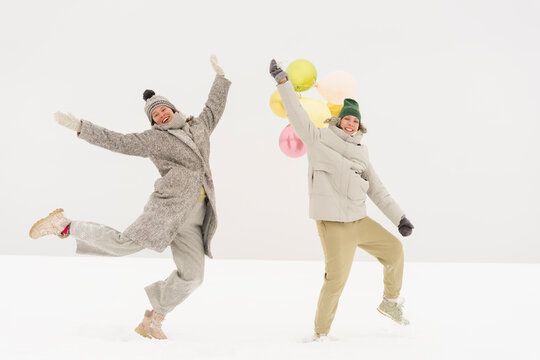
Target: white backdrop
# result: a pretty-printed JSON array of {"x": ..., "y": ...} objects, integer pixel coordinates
[{"x": 448, "y": 91}]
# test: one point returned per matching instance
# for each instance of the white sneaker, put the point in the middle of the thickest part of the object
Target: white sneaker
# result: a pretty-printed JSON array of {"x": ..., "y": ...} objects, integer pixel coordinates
[
  {"x": 318, "y": 338},
  {"x": 393, "y": 308}
]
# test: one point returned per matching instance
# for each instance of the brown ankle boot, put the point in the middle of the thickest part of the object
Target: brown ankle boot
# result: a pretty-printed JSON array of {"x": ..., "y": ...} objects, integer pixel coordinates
[
  {"x": 144, "y": 327},
  {"x": 53, "y": 224},
  {"x": 155, "y": 327}
]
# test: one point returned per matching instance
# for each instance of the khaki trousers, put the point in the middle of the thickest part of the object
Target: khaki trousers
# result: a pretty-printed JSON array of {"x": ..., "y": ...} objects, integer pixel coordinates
[
  {"x": 339, "y": 241},
  {"x": 187, "y": 250}
]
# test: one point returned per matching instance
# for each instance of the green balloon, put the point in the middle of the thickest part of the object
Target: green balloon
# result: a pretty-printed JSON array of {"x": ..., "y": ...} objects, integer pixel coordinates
[{"x": 302, "y": 74}]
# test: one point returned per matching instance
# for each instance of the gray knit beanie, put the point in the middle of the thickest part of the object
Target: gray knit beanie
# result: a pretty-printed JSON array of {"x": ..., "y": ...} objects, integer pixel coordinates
[{"x": 153, "y": 101}]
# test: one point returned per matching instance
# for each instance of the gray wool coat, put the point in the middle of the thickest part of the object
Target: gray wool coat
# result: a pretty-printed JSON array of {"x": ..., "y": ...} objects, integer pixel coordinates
[{"x": 183, "y": 163}]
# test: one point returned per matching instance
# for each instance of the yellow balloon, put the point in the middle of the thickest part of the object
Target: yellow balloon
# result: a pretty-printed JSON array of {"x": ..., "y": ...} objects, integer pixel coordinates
[
  {"x": 302, "y": 74},
  {"x": 317, "y": 111},
  {"x": 277, "y": 105},
  {"x": 334, "y": 109}
]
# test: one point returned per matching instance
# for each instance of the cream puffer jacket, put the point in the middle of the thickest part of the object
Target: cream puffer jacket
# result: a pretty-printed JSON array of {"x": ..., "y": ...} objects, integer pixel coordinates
[{"x": 340, "y": 175}]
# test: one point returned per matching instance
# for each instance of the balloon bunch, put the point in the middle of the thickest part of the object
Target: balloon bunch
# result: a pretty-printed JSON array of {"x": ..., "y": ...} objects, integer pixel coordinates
[{"x": 334, "y": 88}]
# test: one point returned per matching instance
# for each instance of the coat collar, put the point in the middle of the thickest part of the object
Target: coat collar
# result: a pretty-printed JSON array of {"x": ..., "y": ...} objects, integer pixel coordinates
[
  {"x": 180, "y": 128},
  {"x": 183, "y": 136},
  {"x": 353, "y": 139}
]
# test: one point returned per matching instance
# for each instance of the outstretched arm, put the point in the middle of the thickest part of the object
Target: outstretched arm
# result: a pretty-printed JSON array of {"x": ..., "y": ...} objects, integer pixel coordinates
[
  {"x": 130, "y": 144},
  {"x": 298, "y": 117},
  {"x": 380, "y": 196},
  {"x": 217, "y": 98}
]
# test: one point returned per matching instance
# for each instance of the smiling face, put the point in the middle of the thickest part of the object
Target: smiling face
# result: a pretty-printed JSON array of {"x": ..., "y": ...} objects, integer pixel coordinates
[
  {"x": 162, "y": 114},
  {"x": 349, "y": 124}
]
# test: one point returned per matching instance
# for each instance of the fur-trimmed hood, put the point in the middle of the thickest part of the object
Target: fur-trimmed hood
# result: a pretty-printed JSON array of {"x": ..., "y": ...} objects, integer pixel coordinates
[{"x": 335, "y": 121}]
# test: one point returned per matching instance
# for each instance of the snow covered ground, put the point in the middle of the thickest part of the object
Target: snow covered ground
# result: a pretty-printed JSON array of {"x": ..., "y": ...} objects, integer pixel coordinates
[{"x": 87, "y": 308}]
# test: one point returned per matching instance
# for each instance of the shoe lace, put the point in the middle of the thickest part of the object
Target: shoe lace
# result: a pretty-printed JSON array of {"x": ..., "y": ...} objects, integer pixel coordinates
[
  {"x": 157, "y": 321},
  {"x": 399, "y": 303}
]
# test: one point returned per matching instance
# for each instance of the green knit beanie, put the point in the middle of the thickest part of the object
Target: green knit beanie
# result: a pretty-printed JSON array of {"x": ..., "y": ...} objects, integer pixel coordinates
[{"x": 350, "y": 107}]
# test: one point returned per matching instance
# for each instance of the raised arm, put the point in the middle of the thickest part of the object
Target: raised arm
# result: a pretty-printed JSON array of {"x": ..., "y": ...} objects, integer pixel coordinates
[
  {"x": 130, "y": 144},
  {"x": 298, "y": 117},
  {"x": 217, "y": 98}
]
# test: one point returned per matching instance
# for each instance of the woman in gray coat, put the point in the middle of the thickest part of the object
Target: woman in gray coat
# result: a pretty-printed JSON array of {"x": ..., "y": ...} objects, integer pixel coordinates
[
  {"x": 340, "y": 178},
  {"x": 180, "y": 213}
]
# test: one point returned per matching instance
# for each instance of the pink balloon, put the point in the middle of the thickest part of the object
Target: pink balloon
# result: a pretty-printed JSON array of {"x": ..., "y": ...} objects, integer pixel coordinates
[
  {"x": 290, "y": 144},
  {"x": 336, "y": 86}
]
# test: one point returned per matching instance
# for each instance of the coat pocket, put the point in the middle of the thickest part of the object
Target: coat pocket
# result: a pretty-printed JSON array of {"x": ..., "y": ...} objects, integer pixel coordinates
[
  {"x": 322, "y": 179},
  {"x": 172, "y": 184},
  {"x": 358, "y": 187}
]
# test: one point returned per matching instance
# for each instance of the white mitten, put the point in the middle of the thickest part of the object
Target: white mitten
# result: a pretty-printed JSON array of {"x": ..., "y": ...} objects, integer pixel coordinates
[
  {"x": 68, "y": 120},
  {"x": 217, "y": 68}
]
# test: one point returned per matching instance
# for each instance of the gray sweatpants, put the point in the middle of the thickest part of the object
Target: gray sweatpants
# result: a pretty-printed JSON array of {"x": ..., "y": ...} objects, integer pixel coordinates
[{"x": 187, "y": 250}]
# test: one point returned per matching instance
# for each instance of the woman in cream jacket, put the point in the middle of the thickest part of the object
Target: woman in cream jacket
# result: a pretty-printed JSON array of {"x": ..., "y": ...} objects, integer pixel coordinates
[{"x": 340, "y": 178}]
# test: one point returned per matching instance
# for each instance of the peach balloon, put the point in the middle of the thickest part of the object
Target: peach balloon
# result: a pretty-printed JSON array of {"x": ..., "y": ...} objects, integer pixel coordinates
[{"x": 336, "y": 86}]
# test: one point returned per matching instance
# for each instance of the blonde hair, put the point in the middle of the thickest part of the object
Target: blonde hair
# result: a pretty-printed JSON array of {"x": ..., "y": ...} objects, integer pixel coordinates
[{"x": 335, "y": 121}]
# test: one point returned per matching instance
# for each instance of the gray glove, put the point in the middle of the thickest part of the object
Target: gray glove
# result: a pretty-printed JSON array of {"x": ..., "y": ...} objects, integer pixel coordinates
[
  {"x": 68, "y": 120},
  {"x": 217, "y": 68},
  {"x": 277, "y": 72},
  {"x": 405, "y": 227}
]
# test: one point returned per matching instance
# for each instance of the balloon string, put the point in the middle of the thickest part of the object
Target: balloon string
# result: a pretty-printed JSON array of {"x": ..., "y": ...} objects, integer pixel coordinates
[{"x": 299, "y": 93}]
